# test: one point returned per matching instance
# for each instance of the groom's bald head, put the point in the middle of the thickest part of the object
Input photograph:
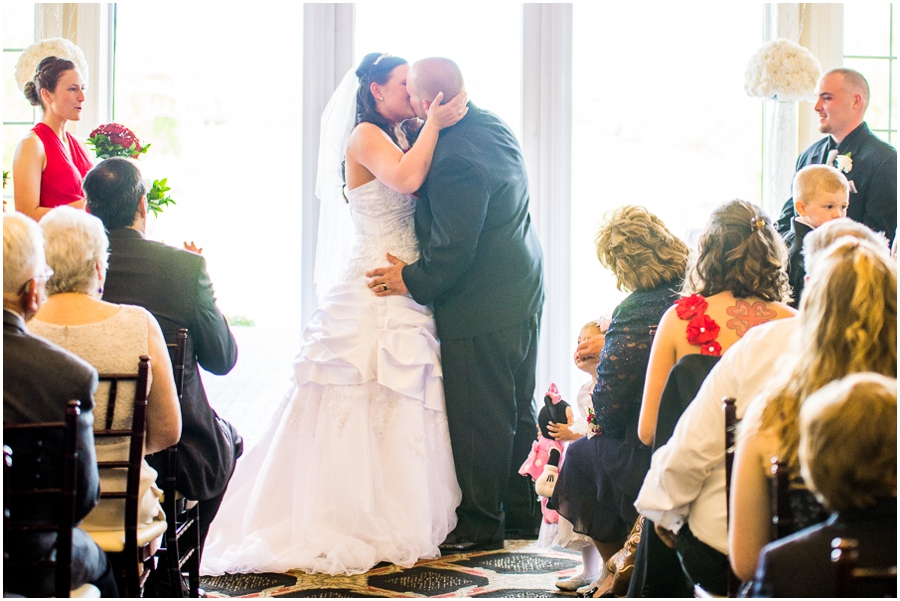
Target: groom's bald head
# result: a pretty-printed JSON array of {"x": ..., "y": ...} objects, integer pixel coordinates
[{"x": 429, "y": 76}]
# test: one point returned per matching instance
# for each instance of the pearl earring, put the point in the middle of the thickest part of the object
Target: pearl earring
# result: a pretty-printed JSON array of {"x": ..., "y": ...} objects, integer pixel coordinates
[{"x": 381, "y": 98}]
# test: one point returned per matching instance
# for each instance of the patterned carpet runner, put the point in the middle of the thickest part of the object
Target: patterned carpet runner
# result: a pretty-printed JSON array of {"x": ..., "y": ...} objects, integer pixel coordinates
[{"x": 520, "y": 570}]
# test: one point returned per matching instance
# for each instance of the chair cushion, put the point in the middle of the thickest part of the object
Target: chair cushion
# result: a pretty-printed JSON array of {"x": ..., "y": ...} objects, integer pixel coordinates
[{"x": 113, "y": 541}]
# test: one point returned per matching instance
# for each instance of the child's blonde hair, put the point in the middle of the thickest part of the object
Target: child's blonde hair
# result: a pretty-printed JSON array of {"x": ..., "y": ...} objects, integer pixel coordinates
[
  {"x": 596, "y": 326},
  {"x": 818, "y": 177}
]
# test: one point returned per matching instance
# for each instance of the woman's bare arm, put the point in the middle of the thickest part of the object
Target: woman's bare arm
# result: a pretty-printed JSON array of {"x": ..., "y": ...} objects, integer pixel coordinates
[
  {"x": 662, "y": 358},
  {"x": 750, "y": 511},
  {"x": 28, "y": 168},
  {"x": 404, "y": 172}
]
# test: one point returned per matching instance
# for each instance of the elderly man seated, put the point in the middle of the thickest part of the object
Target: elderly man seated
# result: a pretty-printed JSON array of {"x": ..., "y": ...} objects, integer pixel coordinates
[
  {"x": 686, "y": 481},
  {"x": 39, "y": 379}
]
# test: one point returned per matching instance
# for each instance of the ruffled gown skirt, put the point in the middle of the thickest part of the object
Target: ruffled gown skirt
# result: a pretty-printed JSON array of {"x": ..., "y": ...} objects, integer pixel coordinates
[{"x": 355, "y": 467}]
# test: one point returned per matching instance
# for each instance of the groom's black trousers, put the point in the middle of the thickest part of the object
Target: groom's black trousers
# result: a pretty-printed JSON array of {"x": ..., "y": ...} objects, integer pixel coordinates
[{"x": 489, "y": 385}]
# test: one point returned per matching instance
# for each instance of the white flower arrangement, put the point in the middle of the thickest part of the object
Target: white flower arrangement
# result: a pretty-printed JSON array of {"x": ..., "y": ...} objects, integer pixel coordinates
[
  {"x": 34, "y": 54},
  {"x": 843, "y": 162},
  {"x": 782, "y": 70}
]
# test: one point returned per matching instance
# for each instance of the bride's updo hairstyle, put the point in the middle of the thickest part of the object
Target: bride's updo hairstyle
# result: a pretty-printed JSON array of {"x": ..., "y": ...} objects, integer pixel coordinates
[
  {"x": 740, "y": 252},
  {"x": 46, "y": 77},
  {"x": 375, "y": 67}
]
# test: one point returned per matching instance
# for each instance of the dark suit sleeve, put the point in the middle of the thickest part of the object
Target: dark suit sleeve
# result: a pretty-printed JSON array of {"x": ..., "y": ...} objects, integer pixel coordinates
[
  {"x": 881, "y": 202},
  {"x": 459, "y": 202},
  {"x": 214, "y": 344},
  {"x": 88, "y": 484}
]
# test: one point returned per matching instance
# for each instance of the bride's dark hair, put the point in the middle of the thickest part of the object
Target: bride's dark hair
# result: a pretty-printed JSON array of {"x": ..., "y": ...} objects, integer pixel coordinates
[{"x": 377, "y": 67}]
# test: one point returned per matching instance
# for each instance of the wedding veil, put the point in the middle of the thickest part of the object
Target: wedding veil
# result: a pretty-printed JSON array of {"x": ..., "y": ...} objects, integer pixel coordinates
[{"x": 336, "y": 231}]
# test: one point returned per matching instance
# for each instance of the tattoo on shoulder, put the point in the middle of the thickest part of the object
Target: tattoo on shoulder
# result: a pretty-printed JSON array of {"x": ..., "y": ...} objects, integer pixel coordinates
[{"x": 745, "y": 316}]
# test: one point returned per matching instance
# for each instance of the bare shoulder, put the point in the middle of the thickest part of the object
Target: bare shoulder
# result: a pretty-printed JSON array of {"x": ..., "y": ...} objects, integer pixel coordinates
[{"x": 30, "y": 145}]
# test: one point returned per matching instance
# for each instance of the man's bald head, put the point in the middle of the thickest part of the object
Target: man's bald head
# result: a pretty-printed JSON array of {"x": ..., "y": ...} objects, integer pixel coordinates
[{"x": 429, "y": 76}]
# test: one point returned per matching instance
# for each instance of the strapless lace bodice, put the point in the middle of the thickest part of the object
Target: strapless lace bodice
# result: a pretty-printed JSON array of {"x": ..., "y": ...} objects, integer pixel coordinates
[{"x": 384, "y": 223}]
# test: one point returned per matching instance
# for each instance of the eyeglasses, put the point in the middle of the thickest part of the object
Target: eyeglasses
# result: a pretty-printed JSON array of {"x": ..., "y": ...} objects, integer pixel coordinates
[{"x": 43, "y": 277}]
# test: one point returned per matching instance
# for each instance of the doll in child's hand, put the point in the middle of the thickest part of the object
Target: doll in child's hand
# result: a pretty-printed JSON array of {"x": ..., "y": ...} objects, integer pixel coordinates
[{"x": 546, "y": 452}]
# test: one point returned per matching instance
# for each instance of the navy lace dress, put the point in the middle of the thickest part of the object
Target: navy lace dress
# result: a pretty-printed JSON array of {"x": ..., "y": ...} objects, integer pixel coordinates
[{"x": 602, "y": 476}]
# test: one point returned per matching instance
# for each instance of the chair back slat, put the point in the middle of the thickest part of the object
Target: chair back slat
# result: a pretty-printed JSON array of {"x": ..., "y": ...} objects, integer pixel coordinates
[
  {"x": 182, "y": 548},
  {"x": 135, "y": 447},
  {"x": 26, "y": 488},
  {"x": 731, "y": 424},
  {"x": 782, "y": 519},
  {"x": 875, "y": 581}
]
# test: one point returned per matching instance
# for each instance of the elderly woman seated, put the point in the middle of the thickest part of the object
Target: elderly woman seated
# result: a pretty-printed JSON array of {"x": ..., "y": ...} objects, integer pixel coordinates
[
  {"x": 848, "y": 457},
  {"x": 111, "y": 338}
]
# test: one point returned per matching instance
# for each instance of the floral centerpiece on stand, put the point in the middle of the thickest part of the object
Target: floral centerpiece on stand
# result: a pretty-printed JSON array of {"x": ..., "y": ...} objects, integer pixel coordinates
[
  {"x": 114, "y": 140},
  {"x": 782, "y": 70}
]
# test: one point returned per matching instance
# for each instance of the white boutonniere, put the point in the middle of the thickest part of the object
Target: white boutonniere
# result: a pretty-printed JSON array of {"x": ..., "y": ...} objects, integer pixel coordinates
[{"x": 843, "y": 162}]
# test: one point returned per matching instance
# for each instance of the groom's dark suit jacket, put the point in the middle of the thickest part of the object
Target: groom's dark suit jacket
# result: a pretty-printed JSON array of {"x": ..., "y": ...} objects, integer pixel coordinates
[
  {"x": 874, "y": 173},
  {"x": 481, "y": 262},
  {"x": 173, "y": 285}
]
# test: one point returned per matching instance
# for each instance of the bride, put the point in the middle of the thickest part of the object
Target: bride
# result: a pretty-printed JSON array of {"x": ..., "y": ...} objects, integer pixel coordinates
[{"x": 355, "y": 467}]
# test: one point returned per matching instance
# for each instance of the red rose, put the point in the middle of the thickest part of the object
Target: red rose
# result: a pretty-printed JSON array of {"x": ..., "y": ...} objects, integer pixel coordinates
[
  {"x": 702, "y": 329},
  {"x": 690, "y": 306},
  {"x": 713, "y": 349}
]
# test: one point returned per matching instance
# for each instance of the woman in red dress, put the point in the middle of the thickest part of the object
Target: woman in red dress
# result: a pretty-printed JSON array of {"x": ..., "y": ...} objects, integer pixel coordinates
[{"x": 50, "y": 163}]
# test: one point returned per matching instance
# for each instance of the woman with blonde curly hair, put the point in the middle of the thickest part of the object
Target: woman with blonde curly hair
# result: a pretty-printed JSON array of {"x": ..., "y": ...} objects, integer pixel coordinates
[
  {"x": 848, "y": 325},
  {"x": 603, "y": 472}
]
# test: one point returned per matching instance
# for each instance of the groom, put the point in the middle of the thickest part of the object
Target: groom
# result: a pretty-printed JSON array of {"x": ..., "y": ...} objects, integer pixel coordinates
[{"x": 481, "y": 268}]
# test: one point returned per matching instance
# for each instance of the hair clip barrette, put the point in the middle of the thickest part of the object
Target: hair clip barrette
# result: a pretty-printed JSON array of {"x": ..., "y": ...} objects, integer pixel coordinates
[{"x": 378, "y": 60}]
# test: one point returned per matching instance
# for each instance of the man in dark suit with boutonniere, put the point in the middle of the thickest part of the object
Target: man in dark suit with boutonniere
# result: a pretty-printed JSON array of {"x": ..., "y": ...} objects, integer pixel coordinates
[
  {"x": 172, "y": 284},
  {"x": 482, "y": 269},
  {"x": 869, "y": 163}
]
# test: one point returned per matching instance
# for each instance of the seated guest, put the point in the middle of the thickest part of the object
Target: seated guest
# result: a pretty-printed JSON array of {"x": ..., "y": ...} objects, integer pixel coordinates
[
  {"x": 848, "y": 457},
  {"x": 848, "y": 324},
  {"x": 602, "y": 474},
  {"x": 821, "y": 193},
  {"x": 738, "y": 280},
  {"x": 39, "y": 379},
  {"x": 686, "y": 481},
  {"x": 173, "y": 285},
  {"x": 111, "y": 338}
]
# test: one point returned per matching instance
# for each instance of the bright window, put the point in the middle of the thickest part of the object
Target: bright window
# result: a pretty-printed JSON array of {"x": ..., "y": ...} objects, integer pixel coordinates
[
  {"x": 218, "y": 94},
  {"x": 488, "y": 49},
  {"x": 870, "y": 47},
  {"x": 18, "y": 114},
  {"x": 660, "y": 119}
]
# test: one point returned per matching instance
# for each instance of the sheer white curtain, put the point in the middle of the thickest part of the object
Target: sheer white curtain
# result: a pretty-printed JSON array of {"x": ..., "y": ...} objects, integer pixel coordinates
[{"x": 547, "y": 145}]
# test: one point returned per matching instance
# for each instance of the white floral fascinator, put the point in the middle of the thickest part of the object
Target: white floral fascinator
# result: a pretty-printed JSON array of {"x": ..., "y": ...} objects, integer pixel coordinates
[{"x": 34, "y": 54}]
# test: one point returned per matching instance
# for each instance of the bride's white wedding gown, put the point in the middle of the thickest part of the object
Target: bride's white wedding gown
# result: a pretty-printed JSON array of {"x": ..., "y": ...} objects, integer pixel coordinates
[{"x": 355, "y": 467}]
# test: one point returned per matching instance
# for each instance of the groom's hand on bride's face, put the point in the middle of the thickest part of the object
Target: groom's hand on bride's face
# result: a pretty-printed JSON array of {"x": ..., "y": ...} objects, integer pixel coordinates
[{"x": 386, "y": 281}]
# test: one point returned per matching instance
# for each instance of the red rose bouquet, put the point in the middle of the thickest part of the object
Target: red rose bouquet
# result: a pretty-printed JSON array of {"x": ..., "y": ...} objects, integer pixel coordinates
[{"x": 114, "y": 140}]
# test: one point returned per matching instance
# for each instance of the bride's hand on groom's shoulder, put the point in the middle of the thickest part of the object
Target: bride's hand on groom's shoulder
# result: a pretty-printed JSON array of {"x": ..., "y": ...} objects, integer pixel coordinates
[{"x": 386, "y": 281}]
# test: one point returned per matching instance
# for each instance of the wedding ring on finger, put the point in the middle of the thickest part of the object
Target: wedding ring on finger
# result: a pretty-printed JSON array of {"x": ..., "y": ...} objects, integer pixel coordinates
[
  {"x": 459, "y": 112},
  {"x": 384, "y": 287}
]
